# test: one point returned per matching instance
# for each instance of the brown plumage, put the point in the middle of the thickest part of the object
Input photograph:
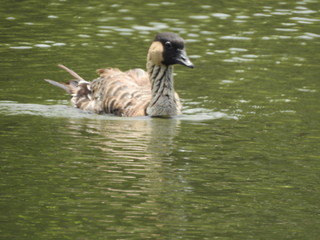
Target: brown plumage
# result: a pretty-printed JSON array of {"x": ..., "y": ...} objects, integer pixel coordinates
[{"x": 135, "y": 92}]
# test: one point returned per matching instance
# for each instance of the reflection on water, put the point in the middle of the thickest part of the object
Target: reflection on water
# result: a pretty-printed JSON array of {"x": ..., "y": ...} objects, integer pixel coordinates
[
  {"x": 130, "y": 139},
  {"x": 240, "y": 163},
  {"x": 284, "y": 20},
  {"x": 65, "y": 111},
  {"x": 122, "y": 136}
]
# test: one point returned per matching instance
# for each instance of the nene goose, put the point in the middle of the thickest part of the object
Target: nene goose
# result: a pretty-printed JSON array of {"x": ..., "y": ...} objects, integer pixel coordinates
[{"x": 135, "y": 92}]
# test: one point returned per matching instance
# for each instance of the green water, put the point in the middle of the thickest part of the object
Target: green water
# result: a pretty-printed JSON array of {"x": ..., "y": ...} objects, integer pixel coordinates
[{"x": 242, "y": 162}]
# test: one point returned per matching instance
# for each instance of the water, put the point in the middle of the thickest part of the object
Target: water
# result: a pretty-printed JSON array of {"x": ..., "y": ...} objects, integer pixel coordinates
[{"x": 242, "y": 162}]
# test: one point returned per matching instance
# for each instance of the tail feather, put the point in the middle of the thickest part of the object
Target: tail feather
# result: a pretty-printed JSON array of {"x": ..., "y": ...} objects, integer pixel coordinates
[
  {"x": 60, "y": 85},
  {"x": 78, "y": 88},
  {"x": 72, "y": 86},
  {"x": 71, "y": 72}
]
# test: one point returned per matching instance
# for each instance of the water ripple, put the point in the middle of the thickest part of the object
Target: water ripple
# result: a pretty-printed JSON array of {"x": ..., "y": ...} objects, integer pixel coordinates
[
  {"x": 199, "y": 17},
  {"x": 190, "y": 112},
  {"x": 20, "y": 47},
  {"x": 238, "y": 59},
  {"x": 231, "y": 37},
  {"x": 304, "y": 20},
  {"x": 221, "y": 15}
]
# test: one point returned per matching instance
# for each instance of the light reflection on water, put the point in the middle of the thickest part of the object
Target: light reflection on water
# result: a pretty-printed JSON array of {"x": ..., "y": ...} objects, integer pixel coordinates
[
  {"x": 107, "y": 23},
  {"x": 65, "y": 111}
]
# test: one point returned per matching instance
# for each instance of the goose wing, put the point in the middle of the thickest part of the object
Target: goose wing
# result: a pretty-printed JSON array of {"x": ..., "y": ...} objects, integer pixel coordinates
[
  {"x": 115, "y": 92},
  {"x": 120, "y": 93}
]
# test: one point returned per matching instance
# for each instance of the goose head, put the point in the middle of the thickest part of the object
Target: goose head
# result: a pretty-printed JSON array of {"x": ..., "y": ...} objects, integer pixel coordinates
[{"x": 168, "y": 49}]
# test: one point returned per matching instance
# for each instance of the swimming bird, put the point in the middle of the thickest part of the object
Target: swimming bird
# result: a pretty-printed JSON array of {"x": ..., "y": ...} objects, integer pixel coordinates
[{"x": 135, "y": 92}]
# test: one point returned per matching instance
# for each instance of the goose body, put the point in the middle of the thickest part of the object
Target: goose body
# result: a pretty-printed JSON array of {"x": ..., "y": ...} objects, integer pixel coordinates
[{"x": 135, "y": 92}]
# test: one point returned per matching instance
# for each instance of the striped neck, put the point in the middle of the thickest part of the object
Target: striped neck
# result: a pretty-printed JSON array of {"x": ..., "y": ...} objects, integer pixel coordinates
[{"x": 164, "y": 100}]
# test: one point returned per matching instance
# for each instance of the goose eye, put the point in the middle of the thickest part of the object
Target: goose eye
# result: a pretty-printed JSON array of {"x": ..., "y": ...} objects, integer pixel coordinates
[{"x": 168, "y": 44}]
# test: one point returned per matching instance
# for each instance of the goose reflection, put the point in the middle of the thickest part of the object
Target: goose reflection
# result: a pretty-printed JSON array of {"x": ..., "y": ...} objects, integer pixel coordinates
[{"x": 130, "y": 139}]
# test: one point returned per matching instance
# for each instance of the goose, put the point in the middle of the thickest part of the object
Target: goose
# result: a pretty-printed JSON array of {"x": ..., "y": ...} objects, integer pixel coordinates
[{"x": 135, "y": 92}]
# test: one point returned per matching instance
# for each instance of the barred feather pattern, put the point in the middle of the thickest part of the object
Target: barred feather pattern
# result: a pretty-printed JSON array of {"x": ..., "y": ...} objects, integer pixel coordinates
[
  {"x": 116, "y": 92},
  {"x": 132, "y": 93},
  {"x": 165, "y": 101}
]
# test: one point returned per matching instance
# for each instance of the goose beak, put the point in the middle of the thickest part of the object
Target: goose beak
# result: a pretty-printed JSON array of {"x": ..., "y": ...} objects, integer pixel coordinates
[{"x": 183, "y": 59}]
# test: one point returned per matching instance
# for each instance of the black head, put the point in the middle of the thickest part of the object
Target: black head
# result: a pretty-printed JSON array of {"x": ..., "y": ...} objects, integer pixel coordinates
[{"x": 172, "y": 49}]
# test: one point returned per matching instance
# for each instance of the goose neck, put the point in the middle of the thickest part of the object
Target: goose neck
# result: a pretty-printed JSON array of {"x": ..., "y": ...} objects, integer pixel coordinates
[{"x": 164, "y": 100}]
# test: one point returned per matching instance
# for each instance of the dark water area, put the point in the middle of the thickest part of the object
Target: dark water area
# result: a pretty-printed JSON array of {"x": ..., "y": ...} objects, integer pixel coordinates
[{"x": 241, "y": 162}]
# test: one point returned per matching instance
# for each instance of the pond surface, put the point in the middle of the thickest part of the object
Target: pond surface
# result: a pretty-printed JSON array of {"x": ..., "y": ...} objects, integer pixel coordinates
[{"x": 242, "y": 162}]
